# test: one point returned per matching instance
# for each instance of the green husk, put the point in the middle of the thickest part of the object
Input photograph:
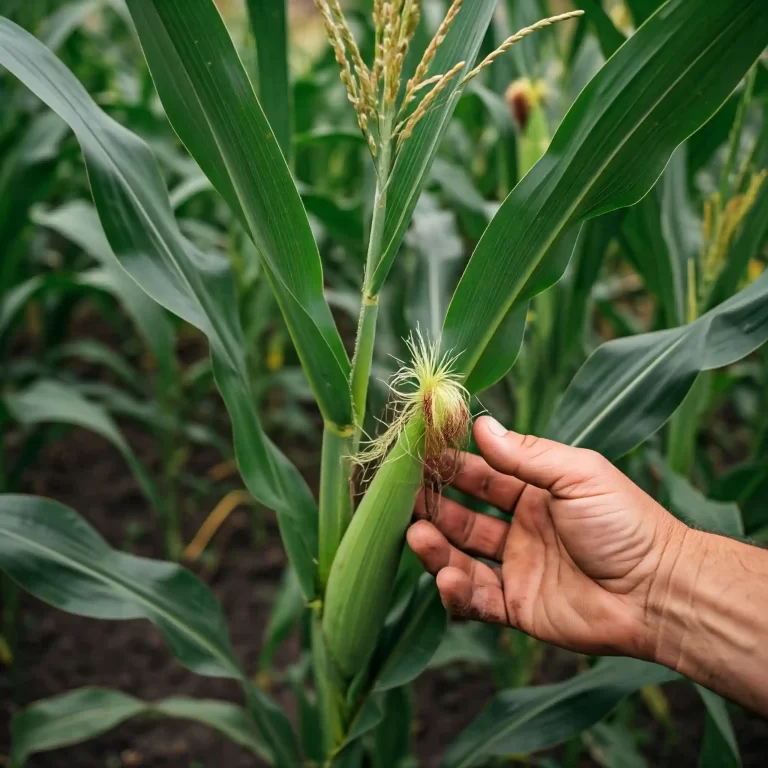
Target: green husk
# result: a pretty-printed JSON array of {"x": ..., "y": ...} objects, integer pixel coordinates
[{"x": 363, "y": 572}]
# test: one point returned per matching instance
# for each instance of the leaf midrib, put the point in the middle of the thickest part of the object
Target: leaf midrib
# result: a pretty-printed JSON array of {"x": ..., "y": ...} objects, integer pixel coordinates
[
  {"x": 563, "y": 220},
  {"x": 137, "y": 596},
  {"x": 632, "y": 385}
]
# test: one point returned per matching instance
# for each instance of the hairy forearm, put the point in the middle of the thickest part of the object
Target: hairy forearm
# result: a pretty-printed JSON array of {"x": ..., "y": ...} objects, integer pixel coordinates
[{"x": 708, "y": 615}]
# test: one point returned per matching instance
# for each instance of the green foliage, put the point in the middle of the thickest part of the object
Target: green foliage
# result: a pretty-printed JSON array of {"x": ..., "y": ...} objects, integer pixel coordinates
[{"x": 606, "y": 235}]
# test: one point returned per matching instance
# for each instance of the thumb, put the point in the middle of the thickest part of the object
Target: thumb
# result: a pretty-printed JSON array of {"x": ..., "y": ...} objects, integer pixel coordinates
[{"x": 557, "y": 468}]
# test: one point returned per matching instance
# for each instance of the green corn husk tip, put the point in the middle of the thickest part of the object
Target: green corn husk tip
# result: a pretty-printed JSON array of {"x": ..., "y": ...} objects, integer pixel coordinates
[{"x": 432, "y": 417}]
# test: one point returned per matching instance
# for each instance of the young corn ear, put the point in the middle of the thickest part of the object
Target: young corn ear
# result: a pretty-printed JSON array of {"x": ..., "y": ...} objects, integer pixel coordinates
[{"x": 433, "y": 417}]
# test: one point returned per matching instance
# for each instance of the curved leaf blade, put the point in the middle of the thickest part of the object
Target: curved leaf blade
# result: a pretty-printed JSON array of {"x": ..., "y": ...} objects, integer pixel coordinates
[
  {"x": 52, "y": 553},
  {"x": 55, "y": 555},
  {"x": 657, "y": 89},
  {"x": 269, "y": 23},
  {"x": 692, "y": 506},
  {"x": 410, "y": 638},
  {"x": 78, "y": 222},
  {"x": 228, "y": 719},
  {"x": 629, "y": 387},
  {"x": 524, "y": 720},
  {"x": 719, "y": 747},
  {"x": 68, "y": 719},
  {"x": 48, "y": 401},
  {"x": 133, "y": 207},
  {"x": 212, "y": 106},
  {"x": 79, "y": 715}
]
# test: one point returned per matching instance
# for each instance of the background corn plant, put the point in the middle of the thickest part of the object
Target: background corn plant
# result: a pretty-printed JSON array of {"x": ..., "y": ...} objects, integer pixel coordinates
[{"x": 612, "y": 188}]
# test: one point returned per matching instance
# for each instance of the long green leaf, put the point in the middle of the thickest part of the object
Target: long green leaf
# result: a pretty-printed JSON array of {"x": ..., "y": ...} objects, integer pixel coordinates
[
  {"x": 629, "y": 387},
  {"x": 59, "y": 558},
  {"x": 393, "y": 735},
  {"x": 132, "y": 203},
  {"x": 663, "y": 233},
  {"x": 15, "y": 300},
  {"x": 228, "y": 719},
  {"x": 211, "y": 105},
  {"x": 49, "y": 401},
  {"x": 82, "y": 714},
  {"x": 410, "y": 638},
  {"x": 642, "y": 9},
  {"x": 690, "y": 504},
  {"x": 78, "y": 222},
  {"x": 681, "y": 228},
  {"x": 529, "y": 719},
  {"x": 413, "y": 163},
  {"x": 286, "y": 611},
  {"x": 68, "y": 719},
  {"x": 719, "y": 748},
  {"x": 610, "y": 38},
  {"x": 55, "y": 555},
  {"x": 657, "y": 89},
  {"x": 269, "y": 23}
]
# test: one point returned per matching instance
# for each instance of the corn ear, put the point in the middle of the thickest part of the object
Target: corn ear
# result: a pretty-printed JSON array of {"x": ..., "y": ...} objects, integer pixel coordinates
[{"x": 364, "y": 569}]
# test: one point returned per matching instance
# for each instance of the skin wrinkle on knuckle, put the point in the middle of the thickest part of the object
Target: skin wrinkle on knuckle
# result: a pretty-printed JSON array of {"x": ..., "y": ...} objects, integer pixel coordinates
[{"x": 468, "y": 528}]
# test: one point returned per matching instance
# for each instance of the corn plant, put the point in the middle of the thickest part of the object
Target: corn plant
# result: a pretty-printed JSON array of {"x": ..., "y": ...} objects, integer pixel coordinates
[{"x": 375, "y": 620}]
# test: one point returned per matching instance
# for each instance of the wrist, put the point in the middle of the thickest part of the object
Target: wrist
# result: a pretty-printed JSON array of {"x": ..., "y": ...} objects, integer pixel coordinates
[
  {"x": 671, "y": 607},
  {"x": 706, "y": 614}
]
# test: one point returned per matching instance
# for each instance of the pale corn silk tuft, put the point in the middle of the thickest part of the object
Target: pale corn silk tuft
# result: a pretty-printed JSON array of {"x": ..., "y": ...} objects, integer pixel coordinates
[{"x": 427, "y": 388}]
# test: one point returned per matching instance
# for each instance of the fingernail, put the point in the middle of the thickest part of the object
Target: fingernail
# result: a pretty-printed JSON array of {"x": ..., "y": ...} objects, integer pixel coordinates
[{"x": 495, "y": 428}]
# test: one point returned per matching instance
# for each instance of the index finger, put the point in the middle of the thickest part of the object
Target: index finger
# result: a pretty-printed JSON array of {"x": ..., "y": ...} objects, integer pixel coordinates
[{"x": 480, "y": 480}]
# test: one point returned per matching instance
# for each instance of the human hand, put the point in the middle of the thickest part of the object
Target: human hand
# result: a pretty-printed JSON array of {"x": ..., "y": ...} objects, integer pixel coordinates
[{"x": 578, "y": 563}]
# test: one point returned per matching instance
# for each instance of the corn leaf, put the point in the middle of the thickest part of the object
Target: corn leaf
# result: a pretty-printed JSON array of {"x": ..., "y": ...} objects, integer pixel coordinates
[
  {"x": 228, "y": 719},
  {"x": 82, "y": 714},
  {"x": 68, "y": 719},
  {"x": 629, "y": 387},
  {"x": 681, "y": 228},
  {"x": 574, "y": 299},
  {"x": 211, "y": 105},
  {"x": 269, "y": 24},
  {"x": 609, "y": 37},
  {"x": 642, "y": 9},
  {"x": 658, "y": 88},
  {"x": 524, "y": 720},
  {"x": 413, "y": 163},
  {"x": 391, "y": 741},
  {"x": 132, "y": 203},
  {"x": 78, "y": 222},
  {"x": 662, "y": 232},
  {"x": 410, "y": 638},
  {"x": 59, "y": 26},
  {"x": 14, "y": 300},
  {"x": 59, "y": 558},
  {"x": 692, "y": 506},
  {"x": 48, "y": 401},
  {"x": 719, "y": 748},
  {"x": 286, "y": 611}
]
